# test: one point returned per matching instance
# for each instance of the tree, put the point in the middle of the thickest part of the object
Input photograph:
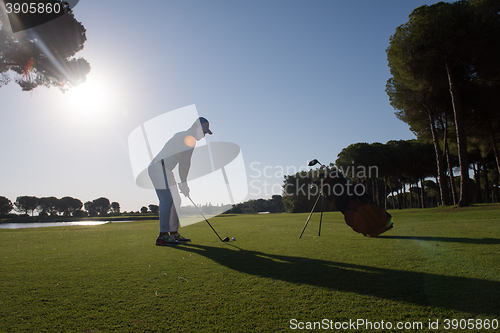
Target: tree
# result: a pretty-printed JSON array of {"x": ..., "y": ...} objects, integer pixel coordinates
[
  {"x": 236, "y": 209},
  {"x": 298, "y": 195},
  {"x": 49, "y": 205},
  {"x": 144, "y": 210},
  {"x": 79, "y": 213},
  {"x": 484, "y": 87},
  {"x": 485, "y": 124},
  {"x": 431, "y": 190},
  {"x": 276, "y": 204},
  {"x": 273, "y": 205},
  {"x": 423, "y": 110},
  {"x": 5, "y": 206},
  {"x": 420, "y": 167},
  {"x": 154, "y": 209},
  {"x": 43, "y": 55},
  {"x": 115, "y": 207},
  {"x": 89, "y": 207},
  {"x": 68, "y": 205},
  {"x": 26, "y": 204},
  {"x": 363, "y": 161},
  {"x": 101, "y": 206}
]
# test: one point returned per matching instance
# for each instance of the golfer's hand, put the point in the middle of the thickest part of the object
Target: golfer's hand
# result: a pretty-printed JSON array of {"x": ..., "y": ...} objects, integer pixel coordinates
[{"x": 184, "y": 188}]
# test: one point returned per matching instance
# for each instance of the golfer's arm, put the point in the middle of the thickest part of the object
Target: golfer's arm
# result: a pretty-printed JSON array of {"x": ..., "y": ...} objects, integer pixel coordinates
[{"x": 184, "y": 165}]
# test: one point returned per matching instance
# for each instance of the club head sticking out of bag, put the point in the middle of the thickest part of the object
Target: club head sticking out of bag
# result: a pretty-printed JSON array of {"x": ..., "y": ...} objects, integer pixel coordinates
[{"x": 315, "y": 161}]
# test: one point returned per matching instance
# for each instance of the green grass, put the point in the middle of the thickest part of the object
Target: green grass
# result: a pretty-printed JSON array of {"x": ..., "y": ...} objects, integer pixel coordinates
[{"x": 435, "y": 264}]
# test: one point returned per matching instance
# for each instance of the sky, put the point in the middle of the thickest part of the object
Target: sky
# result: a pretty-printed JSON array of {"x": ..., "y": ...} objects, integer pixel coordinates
[{"x": 287, "y": 81}]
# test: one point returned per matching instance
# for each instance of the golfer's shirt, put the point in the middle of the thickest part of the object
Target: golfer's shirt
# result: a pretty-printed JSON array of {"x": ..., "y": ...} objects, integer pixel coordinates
[{"x": 177, "y": 151}]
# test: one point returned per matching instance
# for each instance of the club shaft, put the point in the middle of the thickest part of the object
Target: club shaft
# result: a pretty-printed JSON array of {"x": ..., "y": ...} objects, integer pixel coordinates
[
  {"x": 199, "y": 211},
  {"x": 324, "y": 166},
  {"x": 321, "y": 218}
]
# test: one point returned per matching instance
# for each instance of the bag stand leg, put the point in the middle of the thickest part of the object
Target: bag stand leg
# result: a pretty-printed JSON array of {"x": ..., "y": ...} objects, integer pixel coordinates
[
  {"x": 312, "y": 210},
  {"x": 321, "y": 216}
]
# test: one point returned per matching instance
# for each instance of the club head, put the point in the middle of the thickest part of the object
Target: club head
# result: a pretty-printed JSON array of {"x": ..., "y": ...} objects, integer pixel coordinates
[
  {"x": 226, "y": 239},
  {"x": 313, "y": 162}
]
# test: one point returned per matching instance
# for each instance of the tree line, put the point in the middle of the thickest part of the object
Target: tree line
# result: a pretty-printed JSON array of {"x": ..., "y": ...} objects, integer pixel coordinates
[
  {"x": 272, "y": 205},
  {"x": 396, "y": 175},
  {"x": 52, "y": 206},
  {"x": 411, "y": 164},
  {"x": 73, "y": 207}
]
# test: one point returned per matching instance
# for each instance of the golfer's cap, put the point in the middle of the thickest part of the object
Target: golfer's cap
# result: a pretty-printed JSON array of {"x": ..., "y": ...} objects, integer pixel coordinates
[{"x": 204, "y": 124}]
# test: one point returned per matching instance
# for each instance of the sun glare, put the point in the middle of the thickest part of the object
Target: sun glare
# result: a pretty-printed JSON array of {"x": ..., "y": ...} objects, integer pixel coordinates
[{"x": 91, "y": 99}]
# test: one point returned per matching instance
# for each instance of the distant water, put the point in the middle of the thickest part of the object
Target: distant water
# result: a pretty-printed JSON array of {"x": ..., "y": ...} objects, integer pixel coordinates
[{"x": 51, "y": 224}]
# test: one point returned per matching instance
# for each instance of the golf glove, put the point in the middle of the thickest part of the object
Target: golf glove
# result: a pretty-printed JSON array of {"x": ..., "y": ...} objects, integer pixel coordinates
[{"x": 184, "y": 188}]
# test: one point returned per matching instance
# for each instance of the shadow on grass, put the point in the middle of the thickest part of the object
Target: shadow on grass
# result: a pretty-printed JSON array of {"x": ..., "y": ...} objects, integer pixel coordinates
[
  {"x": 470, "y": 295},
  {"x": 482, "y": 241}
]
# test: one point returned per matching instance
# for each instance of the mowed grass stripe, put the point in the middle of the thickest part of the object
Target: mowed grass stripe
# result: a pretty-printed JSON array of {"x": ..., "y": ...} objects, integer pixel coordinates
[{"x": 435, "y": 263}]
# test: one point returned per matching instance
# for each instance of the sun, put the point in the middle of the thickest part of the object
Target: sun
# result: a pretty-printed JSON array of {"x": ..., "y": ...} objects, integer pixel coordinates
[{"x": 91, "y": 99}]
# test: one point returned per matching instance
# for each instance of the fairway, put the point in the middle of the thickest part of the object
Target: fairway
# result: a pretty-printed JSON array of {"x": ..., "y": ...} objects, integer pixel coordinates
[{"x": 434, "y": 265}]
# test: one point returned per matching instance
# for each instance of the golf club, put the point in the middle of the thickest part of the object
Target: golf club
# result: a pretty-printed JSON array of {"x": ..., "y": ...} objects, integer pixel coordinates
[
  {"x": 315, "y": 161},
  {"x": 199, "y": 211}
]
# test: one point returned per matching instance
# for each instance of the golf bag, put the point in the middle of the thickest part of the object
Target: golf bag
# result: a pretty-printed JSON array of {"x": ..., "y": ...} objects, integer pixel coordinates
[{"x": 360, "y": 213}]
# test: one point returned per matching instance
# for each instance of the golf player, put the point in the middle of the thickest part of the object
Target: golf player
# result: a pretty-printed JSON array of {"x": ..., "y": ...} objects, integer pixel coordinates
[{"x": 176, "y": 152}]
